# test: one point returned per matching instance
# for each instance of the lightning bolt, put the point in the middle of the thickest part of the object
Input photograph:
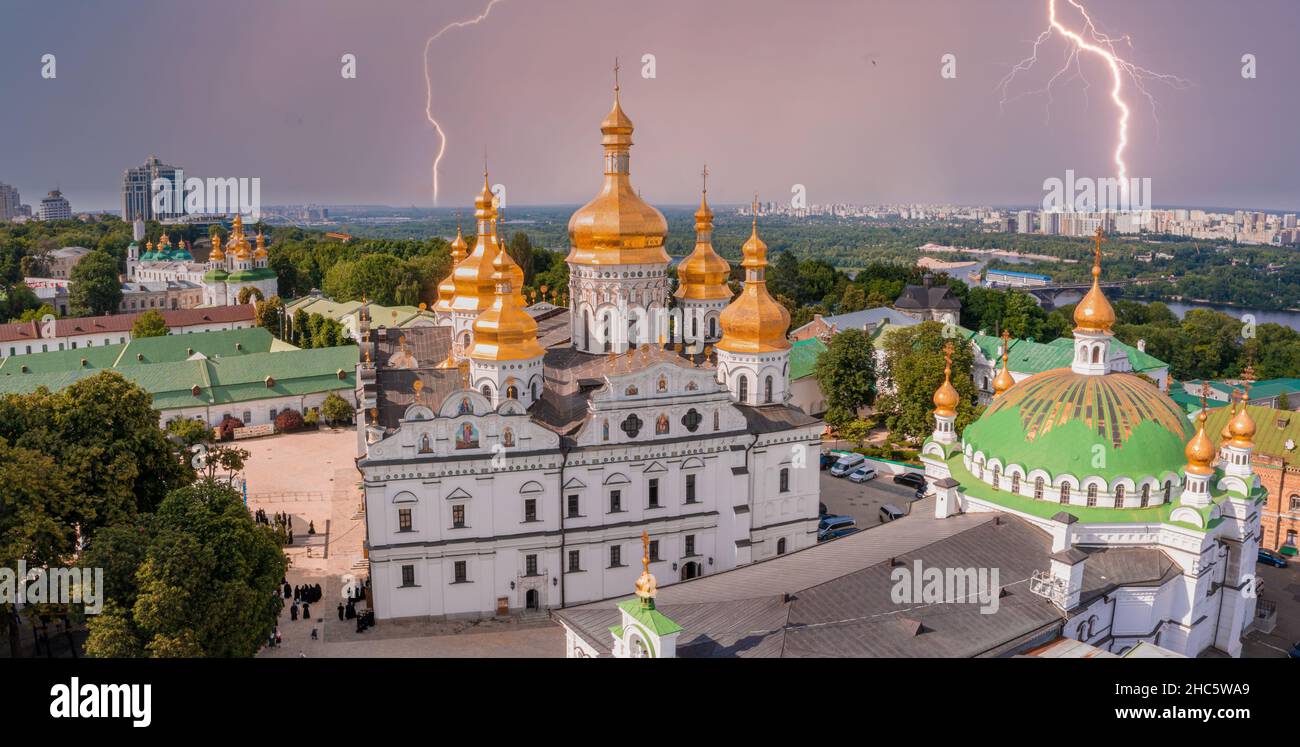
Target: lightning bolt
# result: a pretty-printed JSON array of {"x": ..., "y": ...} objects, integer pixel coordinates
[
  {"x": 428, "y": 88},
  {"x": 1089, "y": 39}
]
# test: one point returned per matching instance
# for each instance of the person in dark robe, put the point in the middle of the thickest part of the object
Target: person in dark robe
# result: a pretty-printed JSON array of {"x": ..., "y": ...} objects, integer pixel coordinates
[
  {"x": 361, "y": 625},
  {"x": 306, "y": 612},
  {"x": 340, "y": 610},
  {"x": 297, "y": 593},
  {"x": 288, "y": 591},
  {"x": 350, "y": 611},
  {"x": 277, "y": 637},
  {"x": 293, "y": 611},
  {"x": 291, "y": 536},
  {"x": 311, "y": 527}
]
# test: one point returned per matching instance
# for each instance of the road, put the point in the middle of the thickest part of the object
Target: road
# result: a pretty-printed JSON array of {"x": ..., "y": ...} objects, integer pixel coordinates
[
  {"x": 1282, "y": 587},
  {"x": 863, "y": 501}
]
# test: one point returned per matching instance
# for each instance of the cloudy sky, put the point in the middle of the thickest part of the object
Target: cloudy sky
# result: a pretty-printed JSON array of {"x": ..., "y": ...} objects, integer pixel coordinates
[{"x": 844, "y": 97}]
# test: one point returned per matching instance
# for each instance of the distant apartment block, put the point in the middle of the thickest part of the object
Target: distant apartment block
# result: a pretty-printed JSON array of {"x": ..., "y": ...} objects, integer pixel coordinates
[
  {"x": 55, "y": 207},
  {"x": 137, "y": 189}
]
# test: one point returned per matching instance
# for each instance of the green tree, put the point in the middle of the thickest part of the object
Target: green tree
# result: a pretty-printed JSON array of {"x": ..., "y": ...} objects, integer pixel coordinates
[
  {"x": 520, "y": 250},
  {"x": 189, "y": 432},
  {"x": 250, "y": 293},
  {"x": 205, "y": 585},
  {"x": 914, "y": 362},
  {"x": 93, "y": 286},
  {"x": 335, "y": 409},
  {"x": 846, "y": 373},
  {"x": 149, "y": 324},
  {"x": 269, "y": 314}
]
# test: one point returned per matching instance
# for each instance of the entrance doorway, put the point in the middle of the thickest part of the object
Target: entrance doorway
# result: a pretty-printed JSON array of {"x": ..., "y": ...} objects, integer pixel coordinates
[
  {"x": 690, "y": 570},
  {"x": 532, "y": 600}
]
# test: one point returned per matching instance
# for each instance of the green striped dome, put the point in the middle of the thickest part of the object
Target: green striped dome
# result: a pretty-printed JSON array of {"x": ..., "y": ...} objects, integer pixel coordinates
[{"x": 1116, "y": 425}]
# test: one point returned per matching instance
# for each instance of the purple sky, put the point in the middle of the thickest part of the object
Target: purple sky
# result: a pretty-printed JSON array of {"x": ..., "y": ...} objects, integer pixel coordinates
[{"x": 769, "y": 92}]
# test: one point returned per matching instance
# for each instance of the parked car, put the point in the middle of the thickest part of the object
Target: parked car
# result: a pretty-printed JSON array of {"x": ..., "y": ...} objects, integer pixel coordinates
[
  {"x": 862, "y": 474},
  {"x": 847, "y": 464},
  {"x": 920, "y": 493},
  {"x": 821, "y": 509},
  {"x": 831, "y": 524},
  {"x": 837, "y": 533},
  {"x": 890, "y": 512},
  {"x": 1268, "y": 557},
  {"x": 913, "y": 479},
  {"x": 828, "y": 460},
  {"x": 1294, "y": 653}
]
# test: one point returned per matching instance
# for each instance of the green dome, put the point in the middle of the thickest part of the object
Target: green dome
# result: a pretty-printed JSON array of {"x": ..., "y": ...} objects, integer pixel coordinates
[
  {"x": 215, "y": 275},
  {"x": 1116, "y": 425},
  {"x": 244, "y": 276}
]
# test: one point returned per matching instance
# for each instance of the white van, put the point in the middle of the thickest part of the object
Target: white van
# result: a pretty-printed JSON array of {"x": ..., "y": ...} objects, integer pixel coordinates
[{"x": 847, "y": 464}]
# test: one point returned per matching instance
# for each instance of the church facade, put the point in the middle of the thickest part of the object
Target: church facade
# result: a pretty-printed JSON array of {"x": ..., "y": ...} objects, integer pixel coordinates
[{"x": 514, "y": 457}]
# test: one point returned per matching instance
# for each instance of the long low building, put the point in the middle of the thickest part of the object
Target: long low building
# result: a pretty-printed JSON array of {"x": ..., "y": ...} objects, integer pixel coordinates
[
  {"x": 25, "y": 338},
  {"x": 243, "y": 373}
]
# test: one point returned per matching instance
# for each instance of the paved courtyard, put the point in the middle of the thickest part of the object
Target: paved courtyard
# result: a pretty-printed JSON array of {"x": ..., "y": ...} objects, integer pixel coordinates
[
  {"x": 863, "y": 501},
  {"x": 312, "y": 476}
]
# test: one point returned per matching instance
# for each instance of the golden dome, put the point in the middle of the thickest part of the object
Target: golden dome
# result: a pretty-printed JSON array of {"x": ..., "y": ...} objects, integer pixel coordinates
[
  {"x": 473, "y": 275},
  {"x": 703, "y": 274},
  {"x": 1094, "y": 312},
  {"x": 1004, "y": 380},
  {"x": 1226, "y": 433},
  {"x": 617, "y": 227},
  {"x": 754, "y": 322},
  {"x": 504, "y": 331},
  {"x": 1200, "y": 450},
  {"x": 216, "y": 255},
  {"x": 447, "y": 288},
  {"x": 260, "y": 253},
  {"x": 1242, "y": 426},
  {"x": 946, "y": 397},
  {"x": 516, "y": 272}
]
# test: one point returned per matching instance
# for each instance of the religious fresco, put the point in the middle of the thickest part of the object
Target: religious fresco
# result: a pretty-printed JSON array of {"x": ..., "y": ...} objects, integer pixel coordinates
[
  {"x": 403, "y": 358},
  {"x": 508, "y": 437},
  {"x": 467, "y": 436},
  {"x": 426, "y": 444}
]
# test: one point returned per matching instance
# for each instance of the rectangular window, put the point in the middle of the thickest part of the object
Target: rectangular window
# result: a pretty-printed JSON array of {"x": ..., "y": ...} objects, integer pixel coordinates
[
  {"x": 573, "y": 506},
  {"x": 690, "y": 545},
  {"x": 403, "y": 519},
  {"x": 462, "y": 575},
  {"x": 690, "y": 488},
  {"x": 615, "y": 501},
  {"x": 615, "y": 556},
  {"x": 458, "y": 516},
  {"x": 654, "y": 550},
  {"x": 408, "y": 575},
  {"x": 530, "y": 565},
  {"x": 574, "y": 557},
  {"x": 785, "y": 481},
  {"x": 530, "y": 509},
  {"x": 654, "y": 492}
]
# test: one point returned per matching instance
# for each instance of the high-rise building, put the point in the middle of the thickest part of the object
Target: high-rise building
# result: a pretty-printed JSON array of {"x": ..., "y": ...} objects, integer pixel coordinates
[
  {"x": 10, "y": 205},
  {"x": 137, "y": 189},
  {"x": 55, "y": 207},
  {"x": 1024, "y": 222}
]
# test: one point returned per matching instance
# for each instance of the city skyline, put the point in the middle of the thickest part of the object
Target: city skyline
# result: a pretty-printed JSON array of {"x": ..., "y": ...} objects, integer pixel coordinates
[{"x": 861, "y": 116}]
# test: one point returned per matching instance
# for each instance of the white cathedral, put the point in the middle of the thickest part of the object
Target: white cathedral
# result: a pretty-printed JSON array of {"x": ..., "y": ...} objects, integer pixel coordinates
[
  {"x": 231, "y": 266},
  {"x": 513, "y": 457}
]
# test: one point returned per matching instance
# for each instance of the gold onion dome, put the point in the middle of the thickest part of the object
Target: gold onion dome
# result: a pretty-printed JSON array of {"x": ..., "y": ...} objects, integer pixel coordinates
[
  {"x": 617, "y": 227},
  {"x": 1200, "y": 450},
  {"x": 447, "y": 288},
  {"x": 702, "y": 275},
  {"x": 1094, "y": 313},
  {"x": 754, "y": 322},
  {"x": 1004, "y": 380},
  {"x": 946, "y": 397},
  {"x": 473, "y": 275},
  {"x": 504, "y": 331},
  {"x": 260, "y": 253},
  {"x": 1242, "y": 427}
]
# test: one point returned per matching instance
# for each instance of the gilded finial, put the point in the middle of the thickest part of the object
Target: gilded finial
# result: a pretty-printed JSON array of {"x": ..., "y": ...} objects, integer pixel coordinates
[
  {"x": 616, "y": 86},
  {"x": 646, "y": 586},
  {"x": 705, "y": 175}
]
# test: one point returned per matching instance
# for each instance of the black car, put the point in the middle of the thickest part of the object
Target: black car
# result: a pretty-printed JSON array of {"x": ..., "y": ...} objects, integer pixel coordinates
[
  {"x": 911, "y": 479},
  {"x": 827, "y": 460}
]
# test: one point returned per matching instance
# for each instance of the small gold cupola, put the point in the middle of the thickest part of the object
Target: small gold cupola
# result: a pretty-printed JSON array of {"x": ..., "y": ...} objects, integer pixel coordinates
[
  {"x": 1094, "y": 313},
  {"x": 754, "y": 322},
  {"x": 473, "y": 275},
  {"x": 504, "y": 331},
  {"x": 1200, "y": 450},
  {"x": 702, "y": 275},
  {"x": 946, "y": 396},
  {"x": 617, "y": 227},
  {"x": 1242, "y": 426},
  {"x": 1004, "y": 380},
  {"x": 447, "y": 288}
]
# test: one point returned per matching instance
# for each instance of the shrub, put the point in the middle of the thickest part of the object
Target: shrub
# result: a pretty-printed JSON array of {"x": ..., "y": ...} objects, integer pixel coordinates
[
  {"x": 226, "y": 431},
  {"x": 288, "y": 421}
]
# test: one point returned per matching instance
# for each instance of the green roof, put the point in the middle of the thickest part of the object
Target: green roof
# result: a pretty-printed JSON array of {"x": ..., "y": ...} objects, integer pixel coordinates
[
  {"x": 140, "y": 350},
  {"x": 1029, "y": 357},
  {"x": 1273, "y": 428},
  {"x": 1264, "y": 389},
  {"x": 803, "y": 357},
  {"x": 653, "y": 620},
  {"x": 215, "y": 274},
  {"x": 228, "y": 378},
  {"x": 242, "y": 276}
]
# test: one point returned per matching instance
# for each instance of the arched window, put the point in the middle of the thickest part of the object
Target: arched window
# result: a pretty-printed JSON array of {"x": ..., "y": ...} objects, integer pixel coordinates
[
  {"x": 534, "y": 390},
  {"x": 1015, "y": 482},
  {"x": 695, "y": 328},
  {"x": 512, "y": 392},
  {"x": 1119, "y": 496},
  {"x": 604, "y": 430},
  {"x": 979, "y": 468},
  {"x": 767, "y": 389},
  {"x": 743, "y": 386},
  {"x": 785, "y": 480},
  {"x": 1295, "y": 502},
  {"x": 1096, "y": 354},
  {"x": 1065, "y": 492},
  {"x": 1092, "y": 494},
  {"x": 1146, "y": 495},
  {"x": 997, "y": 475},
  {"x": 713, "y": 326},
  {"x": 780, "y": 546},
  {"x": 1169, "y": 489},
  {"x": 1038, "y": 488},
  {"x": 715, "y": 420},
  {"x": 487, "y": 391}
]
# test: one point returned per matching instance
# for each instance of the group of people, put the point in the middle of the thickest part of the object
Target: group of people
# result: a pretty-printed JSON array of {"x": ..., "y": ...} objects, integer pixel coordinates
[{"x": 281, "y": 520}]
